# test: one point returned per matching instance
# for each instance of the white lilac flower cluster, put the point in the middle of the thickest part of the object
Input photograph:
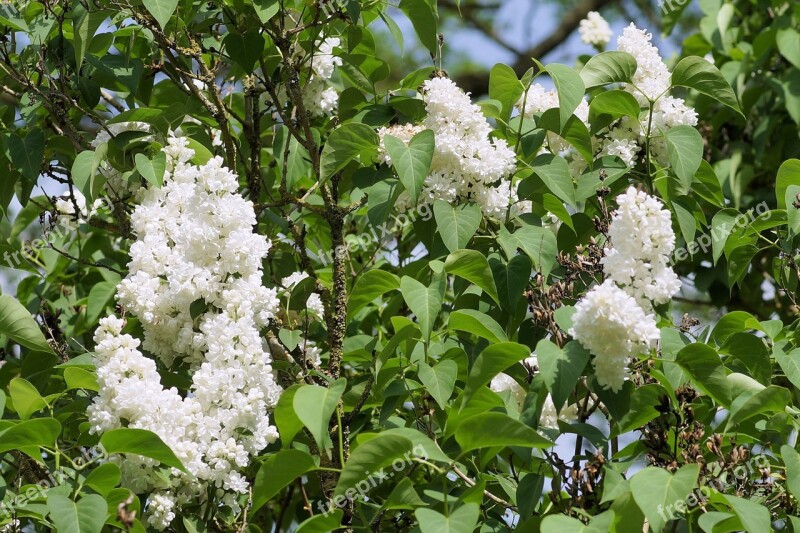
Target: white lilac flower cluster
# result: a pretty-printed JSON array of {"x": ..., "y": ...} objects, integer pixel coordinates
[
  {"x": 550, "y": 416},
  {"x": 321, "y": 99},
  {"x": 595, "y": 30},
  {"x": 651, "y": 82},
  {"x": 615, "y": 320},
  {"x": 627, "y": 136},
  {"x": 195, "y": 285},
  {"x": 467, "y": 164}
]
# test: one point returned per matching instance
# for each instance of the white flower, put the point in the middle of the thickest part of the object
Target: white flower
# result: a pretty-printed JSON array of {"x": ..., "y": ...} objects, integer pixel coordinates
[
  {"x": 652, "y": 77},
  {"x": 65, "y": 205},
  {"x": 642, "y": 241},
  {"x": 625, "y": 149},
  {"x": 160, "y": 510},
  {"x": 314, "y": 305},
  {"x": 549, "y": 417},
  {"x": 613, "y": 327},
  {"x": 467, "y": 164},
  {"x": 291, "y": 281},
  {"x": 194, "y": 282},
  {"x": 324, "y": 62},
  {"x": 594, "y": 29},
  {"x": 641, "y": 227},
  {"x": 319, "y": 98}
]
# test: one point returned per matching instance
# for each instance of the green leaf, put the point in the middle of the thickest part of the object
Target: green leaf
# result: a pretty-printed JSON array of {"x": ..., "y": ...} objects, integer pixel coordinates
[
  {"x": 772, "y": 399},
  {"x": 289, "y": 425},
  {"x": 86, "y": 516},
  {"x": 570, "y": 88},
  {"x": 278, "y": 471},
  {"x": 84, "y": 170},
  {"x": 413, "y": 161},
  {"x": 244, "y": 49},
  {"x": 505, "y": 87},
  {"x": 707, "y": 186},
  {"x": 561, "y": 368},
  {"x": 322, "y": 523},
  {"x": 25, "y": 397},
  {"x": 487, "y": 430},
  {"x": 424, "y": 18},
  {"x": 480, "y": 324},
  {"x": 792, "y": 461},
  {"x": 789, "y": 363},
  {"x": 511, "y": 280},
  {"x": 792, "y": 213},
  {"x": 788, "y": 174},
  {"x": 462, "y": 520},
  {"x": 538, "y": 243},
  {"x": 152, "y": 170},
  {"x": 684, "y": 208},
  {"x": 266, "y": 9},
  {"x": 739, "y": 260},
  {"x": 27, "y": 153},
  {"x": 371, "y": 285},
  {"x": 473, "y": 267},
  {"x": 101, "y": 294},
  {"x": 349, "y": 141},
  {"x": 161, "y": 10},
  {"x": 395, "y": 30},
  {"x": 685, "y": 150},
  {"x": 492, "y": 360},
  {"x": 30, "y": 433},
  {"x": 705, "y": 369},
  {"x": 456, "y": 224},
  {"x": 422, "y": 443},
  {"x": 372, "y": 457},
  {"x": 140, "y": 442},
  {"x": 788, "y": 41},
  {"x": 78, "y": 378},
  {"x": 602, "y": 523},
  {"x": 103, "y": 478},
  {"x": 608, "y": 67},
  {"x": 439, "y": 380},
  {"x": 424, "y": 302},
  {"x": 616, "y": 104},
  {"x": 654, "y": 489},
  {"x": 85, "y": 25},
  {"x": 753, "y": 516},
  {"x": 721, "y": 226},
  {"x": 554, "y": 171},
  {"x": 698, "y": 74},
  {"x": 314, "y": 406},
  {"x": 404, "y": 496},
  {"x": 731, "y": 323}
]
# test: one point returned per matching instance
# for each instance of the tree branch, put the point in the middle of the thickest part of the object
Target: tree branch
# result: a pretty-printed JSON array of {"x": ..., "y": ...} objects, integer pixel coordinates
[{"x": 477, "y": 83}]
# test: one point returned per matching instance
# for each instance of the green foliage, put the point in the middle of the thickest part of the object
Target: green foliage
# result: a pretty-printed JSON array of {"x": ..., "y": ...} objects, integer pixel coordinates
[{"x": 429, "y": 304}]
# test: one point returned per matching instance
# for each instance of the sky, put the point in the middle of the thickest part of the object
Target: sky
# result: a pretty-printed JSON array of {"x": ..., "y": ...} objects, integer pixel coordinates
[{"x": 527, "y": 22}]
